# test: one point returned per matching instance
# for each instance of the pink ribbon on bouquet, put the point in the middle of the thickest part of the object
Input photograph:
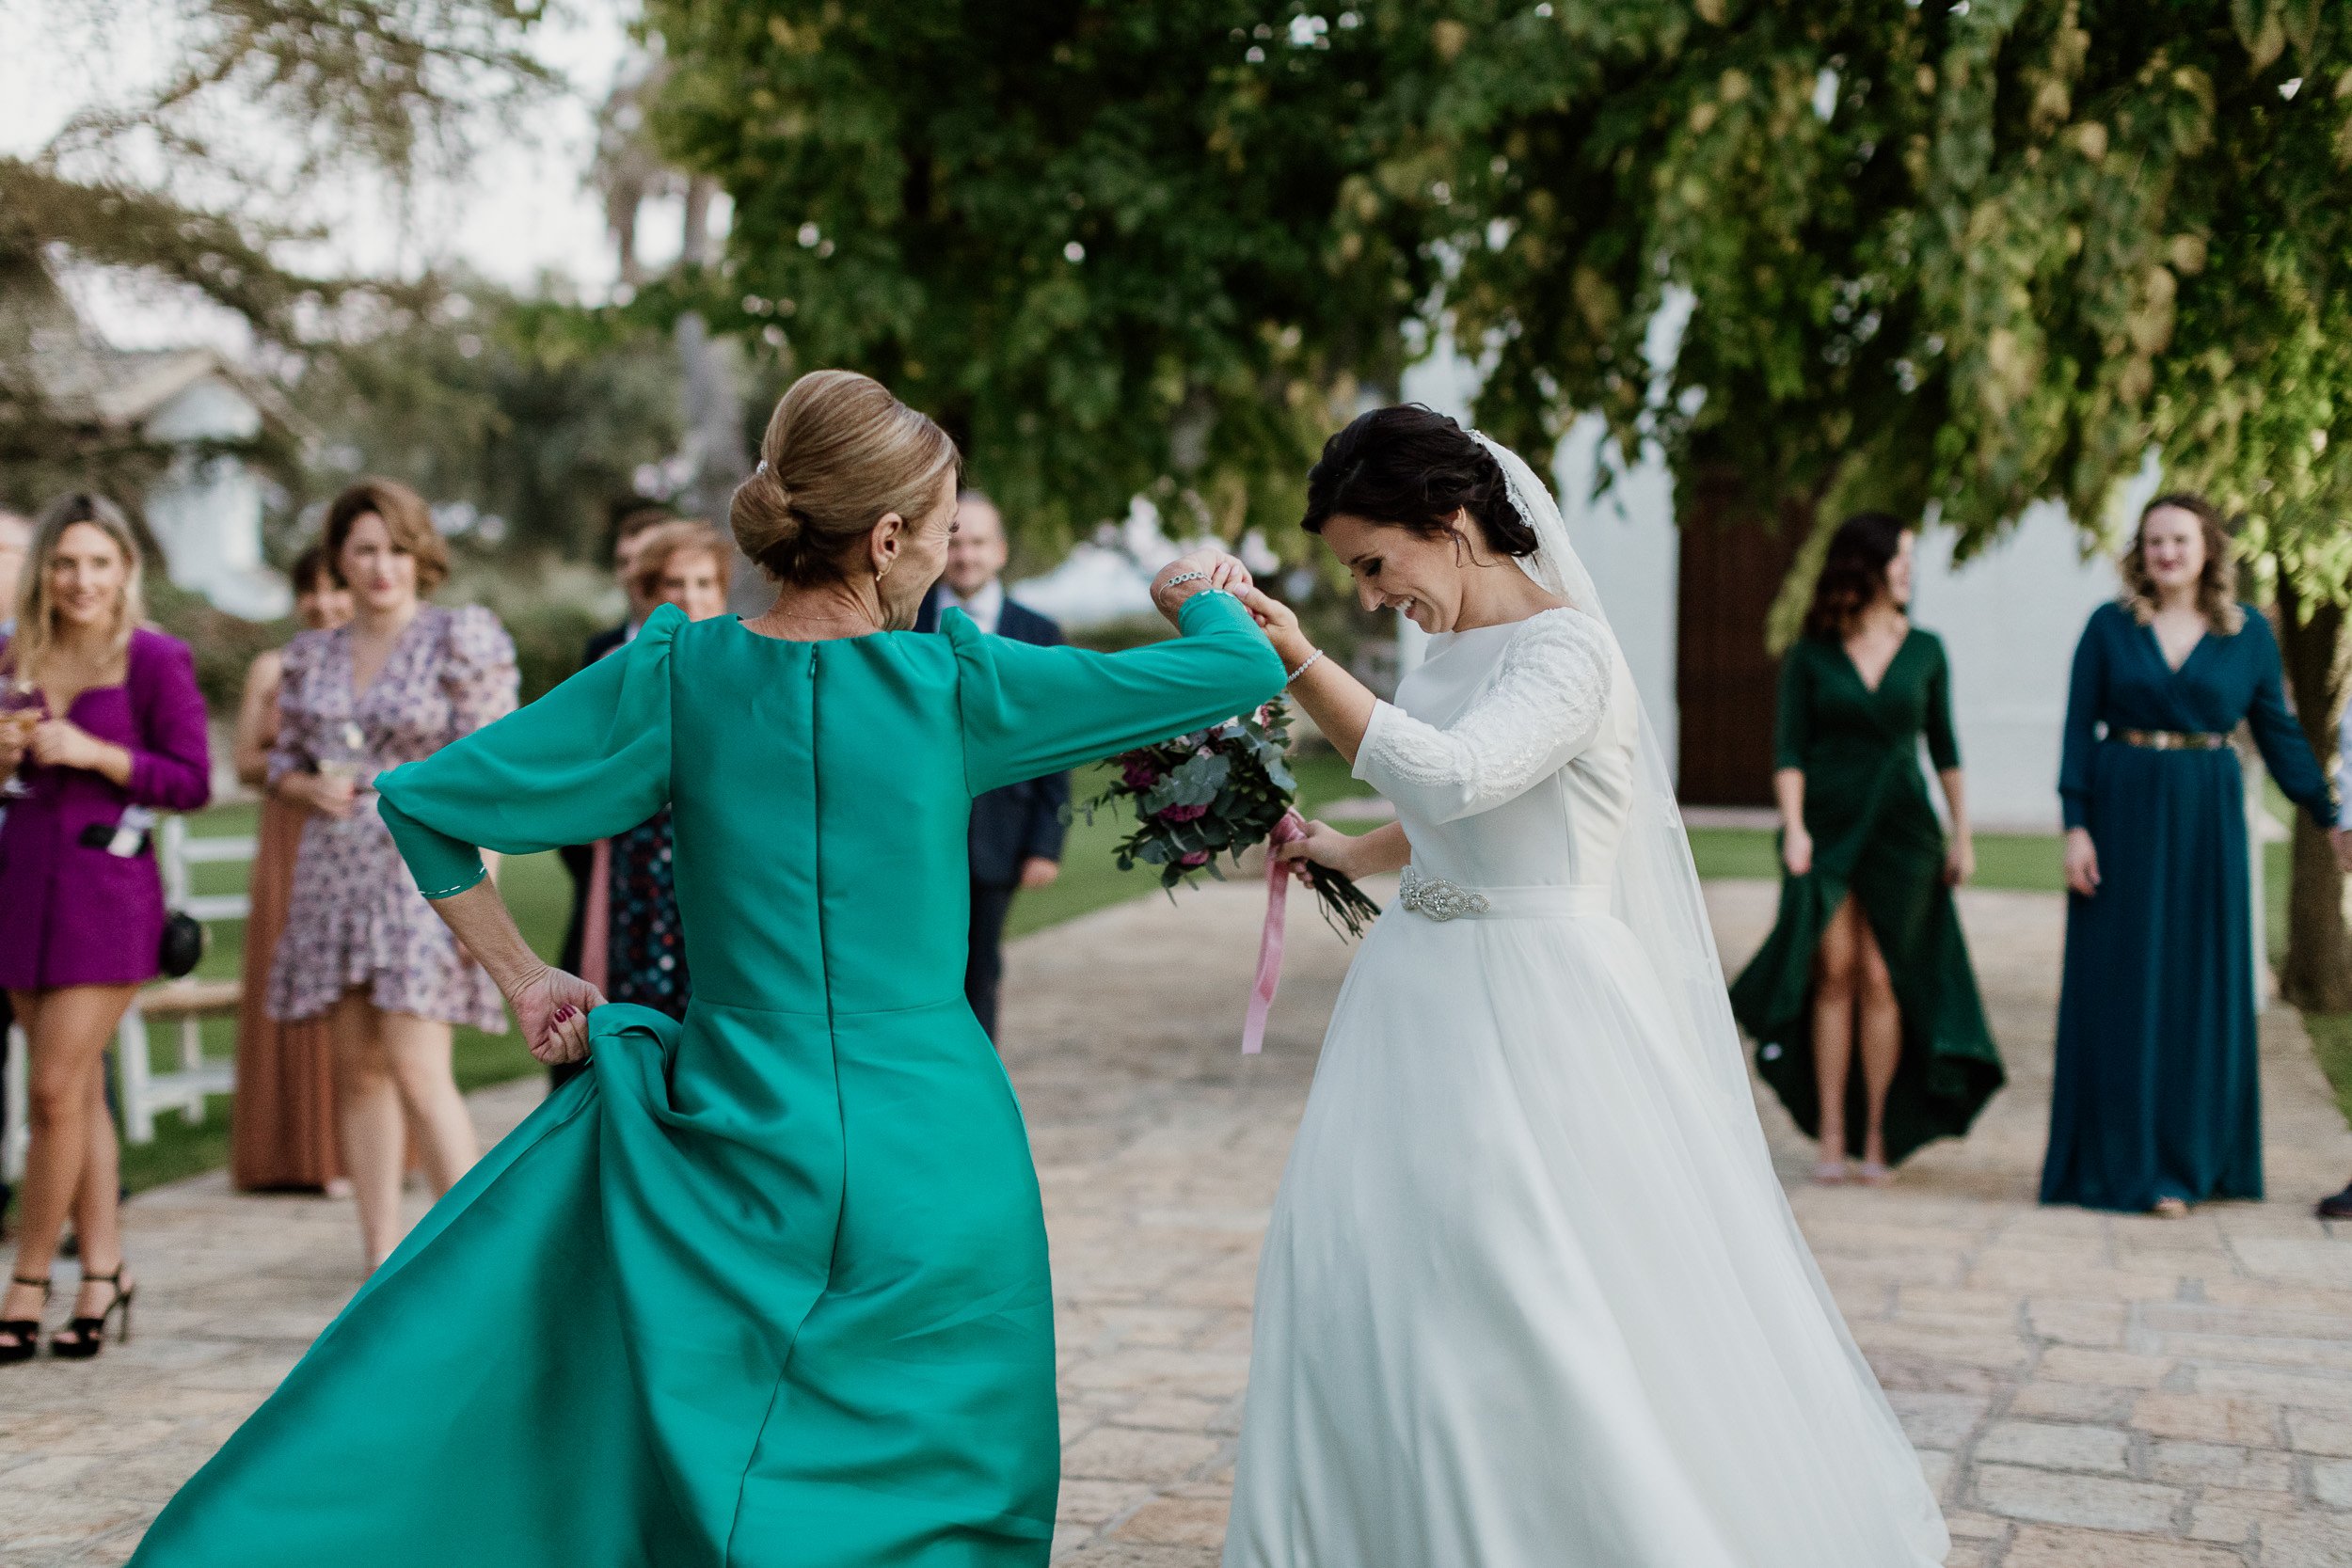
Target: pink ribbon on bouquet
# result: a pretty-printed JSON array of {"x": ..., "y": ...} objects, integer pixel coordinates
[{"x": 1278, "y": 887}]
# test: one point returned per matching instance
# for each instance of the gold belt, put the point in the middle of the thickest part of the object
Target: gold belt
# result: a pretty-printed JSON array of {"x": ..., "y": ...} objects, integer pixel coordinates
[{"x": 2171, "y": 741}]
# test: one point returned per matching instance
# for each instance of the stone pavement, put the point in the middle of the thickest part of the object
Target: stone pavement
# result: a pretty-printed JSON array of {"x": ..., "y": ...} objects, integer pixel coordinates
[{"x": 2088, "y": 1391}]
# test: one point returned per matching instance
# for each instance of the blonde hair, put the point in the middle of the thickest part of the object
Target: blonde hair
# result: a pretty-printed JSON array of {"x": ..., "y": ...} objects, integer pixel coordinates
[
  {"x": 839, "y": 452},
  {"x": 659, "y": 544},
  {"x": 2217, "y": 585},
  {"x": 35, "y": 616}
]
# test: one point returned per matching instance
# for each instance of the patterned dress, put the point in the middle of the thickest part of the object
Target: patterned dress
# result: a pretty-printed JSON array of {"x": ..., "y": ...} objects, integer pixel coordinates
[
  {"x": 646, "y": 954},
  {"x": 356, "y": 918}
]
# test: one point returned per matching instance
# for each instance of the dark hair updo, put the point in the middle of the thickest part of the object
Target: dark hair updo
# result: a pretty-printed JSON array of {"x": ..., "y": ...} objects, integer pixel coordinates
[
  {"x": 1411, "y": 467},
  {"x": 1854, "y": 574}
]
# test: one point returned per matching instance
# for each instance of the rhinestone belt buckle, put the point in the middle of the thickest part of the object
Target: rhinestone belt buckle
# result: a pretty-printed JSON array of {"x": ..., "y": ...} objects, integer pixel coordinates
[{"x": 1439, "y": 900}]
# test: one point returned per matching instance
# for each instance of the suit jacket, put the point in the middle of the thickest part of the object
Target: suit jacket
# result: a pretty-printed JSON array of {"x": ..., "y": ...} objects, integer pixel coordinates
[{"x": 1012, "y": 824}]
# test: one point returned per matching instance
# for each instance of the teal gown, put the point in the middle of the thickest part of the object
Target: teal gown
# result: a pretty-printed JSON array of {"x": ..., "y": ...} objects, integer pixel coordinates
[
  {"x": 2157, "y": 1090},
  {"x": 768, "y": 1287}
]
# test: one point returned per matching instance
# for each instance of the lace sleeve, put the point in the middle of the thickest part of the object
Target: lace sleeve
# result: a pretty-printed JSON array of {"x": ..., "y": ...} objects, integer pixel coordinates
[{"x": 1546, "y": 704}]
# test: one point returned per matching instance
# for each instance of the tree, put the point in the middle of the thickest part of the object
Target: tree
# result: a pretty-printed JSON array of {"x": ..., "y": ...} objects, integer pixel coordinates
[
  {"x": 1119, "y": 249},
  {"x": 1960, "y": 255},
  {"x": 194, "y": 179}
]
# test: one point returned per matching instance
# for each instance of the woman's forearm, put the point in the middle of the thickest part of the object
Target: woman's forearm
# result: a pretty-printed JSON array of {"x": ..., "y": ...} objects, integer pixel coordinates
[
  {"x": 480, "y": 920},
  {"x": 1384, "y": 848},
  {"x": 1788, "y": 791},
  {"x": 1956, "y": 800}
]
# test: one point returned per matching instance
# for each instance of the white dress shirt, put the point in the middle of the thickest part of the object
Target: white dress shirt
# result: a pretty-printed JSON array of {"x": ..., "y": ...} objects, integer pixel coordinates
[{"x": 986, "y": 608}]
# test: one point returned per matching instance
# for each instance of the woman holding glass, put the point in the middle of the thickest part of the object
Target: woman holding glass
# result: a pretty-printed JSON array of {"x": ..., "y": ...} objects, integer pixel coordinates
[
  {"x": 361, "y": 949},
  {"x": 283, "y": 1132},
  {"x": 104, "y": 727}
]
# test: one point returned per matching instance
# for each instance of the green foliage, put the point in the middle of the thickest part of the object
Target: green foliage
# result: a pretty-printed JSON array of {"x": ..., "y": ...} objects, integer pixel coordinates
[
  {"x": 1116, "y": 248},
  {"x": 535, "y": 412},
  {"x": 1973, "y": 256}
]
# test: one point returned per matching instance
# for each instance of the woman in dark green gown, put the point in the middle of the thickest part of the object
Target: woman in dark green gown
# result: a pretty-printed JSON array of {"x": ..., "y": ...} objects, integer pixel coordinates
[
  {"x": 2155, "y": 1101},
  {"x": 767, "y": 1288},
  {"x": 1868, "y": 951}
]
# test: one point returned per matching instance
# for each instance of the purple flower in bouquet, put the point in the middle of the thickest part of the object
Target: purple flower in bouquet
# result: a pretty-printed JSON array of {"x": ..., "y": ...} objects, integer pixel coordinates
[
  {"x": 1181, "y": 813},
  {"x": 1198, "y": 857},
  {"x": 1138, "y": 773}
]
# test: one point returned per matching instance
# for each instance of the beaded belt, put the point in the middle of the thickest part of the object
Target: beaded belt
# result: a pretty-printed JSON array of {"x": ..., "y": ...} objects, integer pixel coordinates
[
  {"x": 1434, "y": 899},
  {"x": 2169, "y": 740}
]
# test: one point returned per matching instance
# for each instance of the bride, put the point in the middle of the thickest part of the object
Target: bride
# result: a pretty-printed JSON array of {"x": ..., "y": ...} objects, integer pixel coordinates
[{"x": 1532, "y": 1297}]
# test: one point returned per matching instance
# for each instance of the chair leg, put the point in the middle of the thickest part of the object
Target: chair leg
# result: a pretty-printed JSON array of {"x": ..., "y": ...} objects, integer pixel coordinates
[{"x": 138, "y": 1111}]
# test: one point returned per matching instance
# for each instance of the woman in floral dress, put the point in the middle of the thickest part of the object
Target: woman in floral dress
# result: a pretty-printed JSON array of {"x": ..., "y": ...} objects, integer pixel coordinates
[{"x": 361, "y": 948}]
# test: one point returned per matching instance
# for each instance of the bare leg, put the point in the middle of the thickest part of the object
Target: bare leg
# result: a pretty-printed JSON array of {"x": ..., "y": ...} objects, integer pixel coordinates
[
  {"x": 97, "y": 1207},
  {"x": 367, "y": 1122},
  {"x": 1834, "y": 982},
  {"x": 417, "y": 1050},
  {"x": 1881, "y": 1024},
  {"x": 67, "y": 1031}
]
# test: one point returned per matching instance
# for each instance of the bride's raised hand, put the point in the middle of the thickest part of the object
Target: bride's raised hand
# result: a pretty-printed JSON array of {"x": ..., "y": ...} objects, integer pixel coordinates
[
  {"x": 1279, "y": 622},
  {"x": 552, "y": 1008}
]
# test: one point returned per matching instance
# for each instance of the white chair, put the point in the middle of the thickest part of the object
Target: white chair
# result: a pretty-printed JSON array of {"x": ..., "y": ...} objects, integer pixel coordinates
[{"x": 188, "y": 1003}]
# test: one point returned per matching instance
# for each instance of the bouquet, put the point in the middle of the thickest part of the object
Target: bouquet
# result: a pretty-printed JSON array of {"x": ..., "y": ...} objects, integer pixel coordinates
[{"x": 1220, "y": 791}]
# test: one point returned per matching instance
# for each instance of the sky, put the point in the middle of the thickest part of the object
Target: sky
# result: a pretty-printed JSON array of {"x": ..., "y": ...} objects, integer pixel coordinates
[{"x": 522, "y": 210}]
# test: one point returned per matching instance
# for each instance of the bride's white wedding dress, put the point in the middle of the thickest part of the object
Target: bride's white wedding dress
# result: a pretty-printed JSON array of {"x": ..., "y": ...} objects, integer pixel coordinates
[{"x": 1530, "y": 1297}]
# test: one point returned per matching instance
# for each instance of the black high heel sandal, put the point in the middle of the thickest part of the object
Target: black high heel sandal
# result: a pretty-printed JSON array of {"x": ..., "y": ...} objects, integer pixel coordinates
[
  {"x": 89, "y": 1334},
  {"x": 25, "y": 1330}
]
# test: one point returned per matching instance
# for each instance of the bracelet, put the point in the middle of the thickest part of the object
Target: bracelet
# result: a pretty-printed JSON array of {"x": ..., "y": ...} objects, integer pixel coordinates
[
  {"x": 1181, "y": 578},
  {"x": 1304, "y": 668}
]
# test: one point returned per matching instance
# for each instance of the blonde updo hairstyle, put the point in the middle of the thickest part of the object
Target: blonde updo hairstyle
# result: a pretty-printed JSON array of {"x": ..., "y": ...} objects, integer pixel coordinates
[{"x": 840, "y": 451}]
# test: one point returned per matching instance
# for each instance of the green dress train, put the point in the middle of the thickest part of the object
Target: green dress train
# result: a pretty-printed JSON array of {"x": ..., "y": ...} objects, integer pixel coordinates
[
  {"x": 1875, "y": 837},
  {"x": 768, "y": 1287}
]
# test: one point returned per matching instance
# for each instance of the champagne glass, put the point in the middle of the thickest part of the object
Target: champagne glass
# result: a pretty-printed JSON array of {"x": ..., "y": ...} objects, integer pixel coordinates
[
  {"x": 343, "y": 752},
  {"x": 22, "y": 709}
]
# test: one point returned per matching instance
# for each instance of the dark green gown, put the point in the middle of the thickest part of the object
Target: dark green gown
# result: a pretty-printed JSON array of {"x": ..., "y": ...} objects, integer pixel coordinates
[
  {"x": 1876, "y": 837},
  {"x": 2155, "y": 1092},
  {"x": 768, "y": 1288}
]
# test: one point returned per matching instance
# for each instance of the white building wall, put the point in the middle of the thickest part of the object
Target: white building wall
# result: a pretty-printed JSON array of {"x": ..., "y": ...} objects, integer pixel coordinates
[{"x": 206, "y": 511}]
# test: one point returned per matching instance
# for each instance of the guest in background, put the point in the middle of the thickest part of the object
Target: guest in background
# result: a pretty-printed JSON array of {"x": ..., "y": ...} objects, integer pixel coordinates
[
  {"x": 1017, "y": 832},
  {"x": 2337, "y": 1206},
  {"x": 632, "y": 519},
  {"x": 1868, "y": 951},
  {"x": 632, "y": 948},
  {"x": 116, "y": 734},
  {"x": 282, "y": 1127},
  {"x": 361, "y": 948},
  {"x": 2154, "y": 1103},
  {"x": 16, "y": 537}
]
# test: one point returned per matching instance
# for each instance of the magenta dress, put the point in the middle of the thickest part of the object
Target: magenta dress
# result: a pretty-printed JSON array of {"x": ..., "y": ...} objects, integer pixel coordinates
[
  {"x": 73, "y": 915},
  {"x": 355, "y": 920}
]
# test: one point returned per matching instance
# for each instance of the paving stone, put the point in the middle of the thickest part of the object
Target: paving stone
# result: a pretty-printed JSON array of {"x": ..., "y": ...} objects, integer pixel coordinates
[
  {"x": 2032, "y": 1353},
  {"x": 2041, "y": 1547},
  {"x": 2050, "y": 1447},
  {"x": 2093, "y": 1502}
]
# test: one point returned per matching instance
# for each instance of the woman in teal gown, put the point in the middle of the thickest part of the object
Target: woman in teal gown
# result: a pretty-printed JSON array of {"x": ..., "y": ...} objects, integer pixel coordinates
[
  {"x": 2155, "y": 1100},
  {"x": 768, "y": 1287}
]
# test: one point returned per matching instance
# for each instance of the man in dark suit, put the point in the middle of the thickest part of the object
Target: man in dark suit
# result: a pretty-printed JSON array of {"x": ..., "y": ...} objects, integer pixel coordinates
[
  {"x": 632, "y": 519},
  {"x": 1016, "y": 832}
]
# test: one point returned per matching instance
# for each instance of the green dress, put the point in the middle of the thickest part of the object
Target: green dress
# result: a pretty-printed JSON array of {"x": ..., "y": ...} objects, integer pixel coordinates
[
  {"x": 768, "y": 1287},
  {"x": 1876, "y": 837}
]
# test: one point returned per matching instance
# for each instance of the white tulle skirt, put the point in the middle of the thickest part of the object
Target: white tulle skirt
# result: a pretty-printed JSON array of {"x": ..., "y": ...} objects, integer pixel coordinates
[{"x": 1532, "y": 1299}]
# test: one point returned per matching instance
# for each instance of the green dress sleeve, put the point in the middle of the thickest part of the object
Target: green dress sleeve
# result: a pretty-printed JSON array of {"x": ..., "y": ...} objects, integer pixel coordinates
[
  {"x": 1029, "y": 711},
  {"x": 2285, "y": 749},
  {"x": 1943, "y": 741},
  {"x": 2086, "y": 703},
  {"x": 588, "y": 760},
  {"x": 1792, "y": 714}
]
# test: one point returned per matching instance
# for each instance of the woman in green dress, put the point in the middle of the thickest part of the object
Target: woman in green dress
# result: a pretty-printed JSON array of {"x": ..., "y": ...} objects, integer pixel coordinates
[
  {"x": 2155, "y": 1097},
  {"x": 1868, "y": 951},
  {"x": 768, "y": 1287}
]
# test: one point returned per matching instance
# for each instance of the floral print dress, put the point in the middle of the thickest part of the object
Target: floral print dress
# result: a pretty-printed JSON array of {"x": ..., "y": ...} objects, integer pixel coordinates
[{"x": 356, "y": 918}]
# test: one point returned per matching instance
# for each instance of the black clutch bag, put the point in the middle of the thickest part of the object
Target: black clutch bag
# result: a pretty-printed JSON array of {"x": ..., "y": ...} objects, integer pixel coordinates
[{"x": 183, "y": 947}]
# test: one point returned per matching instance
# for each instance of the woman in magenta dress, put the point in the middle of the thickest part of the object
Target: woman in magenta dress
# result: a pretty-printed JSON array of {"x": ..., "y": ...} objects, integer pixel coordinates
[{"x": 117, "y": 733}]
